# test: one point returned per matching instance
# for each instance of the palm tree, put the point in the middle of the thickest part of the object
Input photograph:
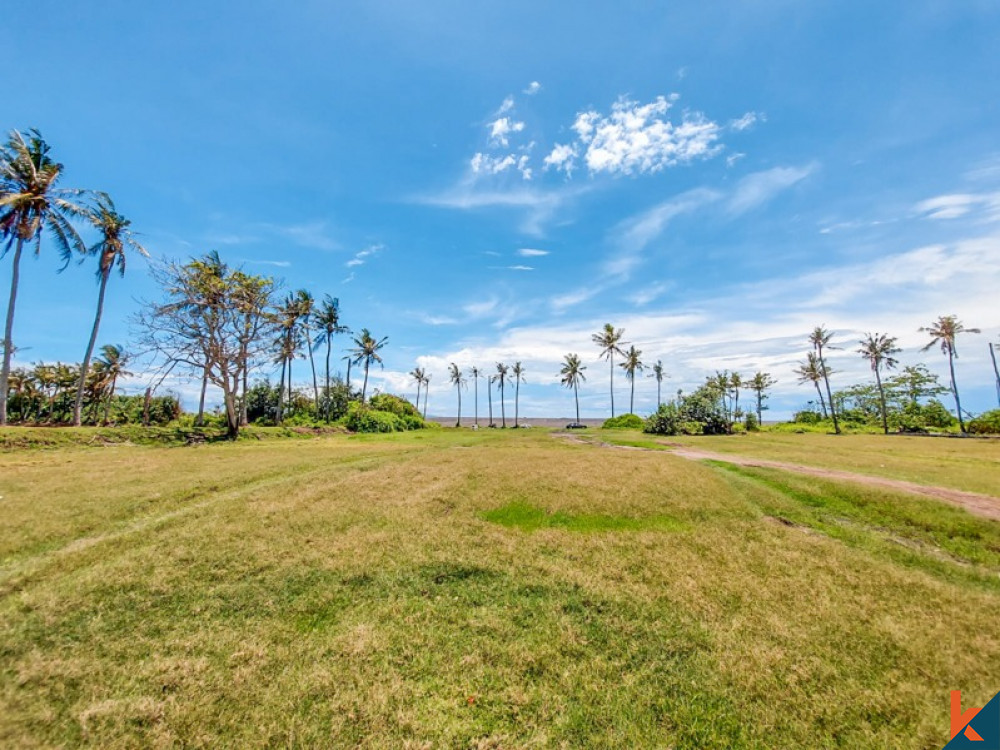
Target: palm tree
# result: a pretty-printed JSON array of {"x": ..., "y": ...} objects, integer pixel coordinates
[
  {"x": 30, "y": 203},
  {"x": 610, "y": 341},
  {"x": 819, "y": 338},
  {"x": 572, "y": 376},
  {"x": 307, "y": 308},
  {"x": 328, "y": 324},
  {"x": 427, "y": 391},
  {"x": 659, "y": 373},
  {"x": 113, "y": 364},
  {"x": 944, "y": 331},
  {"x": 760, "y": 382},
  {"x": 811, "y": 371},
  {"x": 116, "y": 238},
  {"x": 503, "y": 372},
  {"x": 878, "y": 350},
  {"x": 418, "y": 376},
  {"x": 631, "y": 366},
  {"x": 366, "y": 349},
  {"x": 518, "y": 372},
  {"x": 347, "y": 359},
  {"x": 458, "y": 380},
  {"x": 735, "y": 384},
  {"x": 475, "y": 373},
  {"x": 490, "y": 380}
]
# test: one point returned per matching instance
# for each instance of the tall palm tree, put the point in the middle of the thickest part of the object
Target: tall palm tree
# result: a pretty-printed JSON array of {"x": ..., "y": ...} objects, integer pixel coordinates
[
  {"x": 475, "y": 373},
  {"x": 418, "y": 376},
  {"x": 490, "y": 380},
  {"x": 427, "y": 391},
  {"x": 819, "y": 338},
  {"x": 944, "y": 331},
  {"x": 811, "y": 371},
  {"x": 503, "y": 372},
  {"x": 115, "y": 240},
  {"x": 735, "y": 384},
  {"x": 517, "y": 371},
  {"x": 659, "y": 373},
  {"x": 366, "y": 350},
  {"x": 113, "y": 362},
  {"x": 328, "y": 324},
  {"x": 572, "y": 376},
  {"x": 878, "y": 349},
  {"x": 759, "y": 383},
  {"x": 457, "y": 380},
  {"x": 610, "y": 340},
  {"x": 348, "y": 360},
  {"x": 30, "y": 203},
  {"x": 307, "y": 309},
  {"x": 632, "y": 365}
]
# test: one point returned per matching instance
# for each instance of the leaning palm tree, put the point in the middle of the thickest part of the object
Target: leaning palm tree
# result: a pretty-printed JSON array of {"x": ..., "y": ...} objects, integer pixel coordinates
[
  {"x": 517, "y": 371},
  {"x": 878, "y": 349},
  {"x": 944, "y": 331},
  {"x": 632, "y": 365},
  {"x": 811, "y": 371},
  {"x": 30, "y": 203},
  {"x": 572, "y": 376},
  {"x": 610, "y": 340},
  {"x": 115, "y": 240},
  {"x": 113, "y": 361},
  {"x": 457, "y": 380},
  {"x": 503, "y": 372},
  {"x": 659, "y": 373},
  {"x": 366, "y": 350},
  {"x": 418, "y": 375},
  {"x": 328, "y": 323},
  {"x": 819, "y": 338},
  {"x": 475, "y": 372}
]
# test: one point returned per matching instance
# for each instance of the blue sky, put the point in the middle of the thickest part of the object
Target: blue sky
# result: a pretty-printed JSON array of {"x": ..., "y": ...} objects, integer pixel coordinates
[{"x": 484, "y": 183}]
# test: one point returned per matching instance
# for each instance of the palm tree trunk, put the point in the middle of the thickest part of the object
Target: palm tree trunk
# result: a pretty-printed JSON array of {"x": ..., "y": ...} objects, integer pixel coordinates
[
  {"x": 612, "y": 360},
  {"x": 659, "y": 401},
  {"x": 78, "y": 405},
  {"x": 631, "y": 399},
  {"x": 328, "y": 399},
  {"x": 281, "y": 393},
  {"x": 881, "y": 398},
  {"x": 576, "y": 397},
  {"x": 8, "y": 344},
  {"x": 822, "y": 403},
  {"x": 426, "y": 394},
  {"x": 475, "y": 386},
  {"x": 760, "y": 408},
  {"x": 459, "y": 389},
  {"x": 489, "y": 396},
  {"x": 503, "y": 411},
  {"x": 312, "y": 364},
  {"x": 111, "y": 397},
  {"x": 517, "y": 399},
  {"x": 364, "y": 388},
  {"x": 200, "y": 419},
  {"x": 996, "y": 371},
  {"x": 348, "y": 378},
  {"x": 418, "y": 396},
  {"x": 829, "y": 394},
  {"x": 954, "y": 389}
]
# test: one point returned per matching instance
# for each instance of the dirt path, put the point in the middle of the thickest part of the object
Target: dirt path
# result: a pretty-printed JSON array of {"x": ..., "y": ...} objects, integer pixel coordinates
[{"x": 980, "y": 505}]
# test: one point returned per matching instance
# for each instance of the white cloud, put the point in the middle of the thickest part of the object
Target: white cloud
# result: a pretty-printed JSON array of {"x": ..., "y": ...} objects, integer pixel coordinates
[
  {"x": 507, "y": 105},
  {"x": 533, "y": 88},
  {"x": 520, "y": 268},
  {"x": 649, "y": 293},
  {"x": 758, "y": 188},
  {"x": 636, "y": 138},
  {"x": 501, "y": 128},
  {"x": 733, "y": 158},
  {"x": 480, "y": 309},
  {"x": 562, "y": 157},
  {"x": 276, "y": 263},
  {"x": 960, "y": 204},
  {"x": 746, "y": 121},
  {"x": 562, "y": 302},
  {"x": 530, "y": 252},
  {"x": 361, "y": 256}
]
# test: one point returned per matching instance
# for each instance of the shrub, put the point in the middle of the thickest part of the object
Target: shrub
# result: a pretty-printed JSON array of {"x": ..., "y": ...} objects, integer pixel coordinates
[
  {"x": 692, "y": 428},
  {"x": 750, "y": 422},
  {"x": 624, "y": 422},
  {"x": 664, "y": 421},
  {"x": 361, "y": 418},
  {"x": 394, "y": 405},
  {"x": 987, "y": 423},
  {"x": 807, "y": 417}
]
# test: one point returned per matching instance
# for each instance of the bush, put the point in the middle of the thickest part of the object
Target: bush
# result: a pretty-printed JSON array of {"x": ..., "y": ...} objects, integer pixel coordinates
[
  {"x": 807, "y": 417},
  {"x": 624, "y": 422},
  {"x": 987, "y": 423},
  {"x": 394, "y": 405},
  {"x": 664, "y": 421},
  {"x": 750, "y": 422},
  {"x": 364, "y": 418},
  {"x": 692, "y": 428}
]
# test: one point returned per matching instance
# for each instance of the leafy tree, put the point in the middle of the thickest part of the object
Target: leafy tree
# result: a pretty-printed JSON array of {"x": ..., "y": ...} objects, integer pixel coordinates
[
  {"x": 632, "y": 365},
  {"x": 366, "y": 350},
  {"x": 820, "y": 338},
  {"x": 759, "y": 384},
  {"x": 609, "y": 339},
  {"x": 116, "y": 239},
  {"x": 943, "y": 332},
  {"x": 912, "y": 384},
  {"x": 475, "y": 372},
  {"x": 878, "y": 349},
  {"x": 31, "y": 204},
  {"x": 503, "y": 372},
  {"x": 517, "y": 372},
  {"x": 811, "y": 371},
  {"x": 457, "y": 380},
  {"x": 328, "y": 324},
  {"x": 571, "y": 377},
  {"x": 659, "y": 374}
]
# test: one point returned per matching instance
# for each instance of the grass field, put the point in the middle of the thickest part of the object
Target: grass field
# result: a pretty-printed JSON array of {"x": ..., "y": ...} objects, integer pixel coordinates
[{"x": 490, "y": 590}]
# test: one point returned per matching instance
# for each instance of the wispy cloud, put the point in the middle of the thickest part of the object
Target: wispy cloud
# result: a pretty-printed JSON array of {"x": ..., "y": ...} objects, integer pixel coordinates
[
  {"x": 956, "y": 205},
  {"x": 530, "y": 252},
  {"x": 758, "y": 188},
  {"x": 745, "y": 122},
  {"x": 362, "y": 256},
  {"x": 512, "y": 268},
  {"x": 533, "y": 88},
  {"x": 276, "y": 263}
]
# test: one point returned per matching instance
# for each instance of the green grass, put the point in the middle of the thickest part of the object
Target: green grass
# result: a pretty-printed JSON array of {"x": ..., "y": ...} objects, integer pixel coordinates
[{"x": 485, "y": 590}]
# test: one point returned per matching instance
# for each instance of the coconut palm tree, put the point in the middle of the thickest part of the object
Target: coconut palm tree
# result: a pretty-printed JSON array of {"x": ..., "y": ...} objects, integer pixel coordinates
[
  {"x": 427, "y": 391},
  {"x": 759, "y": 383},
  {"x": 659, "y": 373},
  {"x": 113, "y": 362},
  {"x": 811, "y": 371},
  {"x": 457, "y": 380},
  {"x": 30, "y": 204},
  {"x": 735, "y": 384},
  {"x": 307, "y": 309},
  {"x": 819, "y": 338},
  {"x": 116, "y": 239},
  {"x": 944, "y": 331},
  {"x": 418, "y": 375},
  {"x": 503, "y": 372},
  {"x": 572, "y": 376},
  {"x": 366, "y": 350},
  {"x": 878, "y": 349},
  {"x": 490, "y": 380},
  {"x": 328, "y": 325},
  {"x": 632, "y": 365},
  {"x": 475, "y": 372},
  {"x": 610, "y": 340},
  {"x": 517, "y": 371}
]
